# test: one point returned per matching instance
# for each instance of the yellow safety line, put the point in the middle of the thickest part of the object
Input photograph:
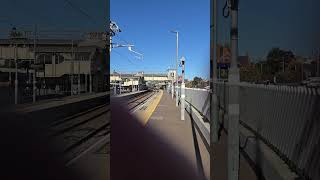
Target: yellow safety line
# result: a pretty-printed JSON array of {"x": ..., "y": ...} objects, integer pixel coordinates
[{"x": 146, "y": 114}]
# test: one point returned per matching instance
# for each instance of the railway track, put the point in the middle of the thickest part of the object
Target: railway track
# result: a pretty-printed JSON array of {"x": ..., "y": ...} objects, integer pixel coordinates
[
  {"x": 79, "y": 133},
  {"x": 76, "y": 133},
  {"x": 137, "y": 101}
]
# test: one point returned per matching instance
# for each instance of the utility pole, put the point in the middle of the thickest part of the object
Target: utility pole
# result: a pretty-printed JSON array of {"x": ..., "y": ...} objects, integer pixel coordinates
[
  {"x": 34, "y": 63},
  {"x": 16, "y": 77},
  {"x": 233, "y": 107},
  {"x": 182, "y": 89}
]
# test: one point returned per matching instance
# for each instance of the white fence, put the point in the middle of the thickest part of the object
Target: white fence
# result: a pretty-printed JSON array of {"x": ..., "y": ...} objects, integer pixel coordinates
[
  {"x": 200, "y": 99},
  {"x": 287, "y": 119}
]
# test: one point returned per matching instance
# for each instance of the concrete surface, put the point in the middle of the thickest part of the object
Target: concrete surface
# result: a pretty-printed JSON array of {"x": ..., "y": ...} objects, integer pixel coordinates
[{"x": 165, "y": 121}]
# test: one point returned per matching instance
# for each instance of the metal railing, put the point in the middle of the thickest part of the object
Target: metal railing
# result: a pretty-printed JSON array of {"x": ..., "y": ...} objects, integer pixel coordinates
[{"x": 285, "y": 118}]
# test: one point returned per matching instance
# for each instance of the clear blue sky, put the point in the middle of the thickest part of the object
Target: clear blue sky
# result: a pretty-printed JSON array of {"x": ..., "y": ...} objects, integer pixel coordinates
[
  {"x": 146, "y": 24},
  {"x": 288, "y": 24},
  {"x": 55, "y": 15},
  {"x": 291, "y": 25}
]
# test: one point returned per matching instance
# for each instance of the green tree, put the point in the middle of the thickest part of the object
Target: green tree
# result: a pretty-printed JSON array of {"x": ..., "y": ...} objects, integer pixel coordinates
[
  {"x": 196, "y": 82},
  {"x": 275, "y": 59},
  {"x": 249, "y": 73}
]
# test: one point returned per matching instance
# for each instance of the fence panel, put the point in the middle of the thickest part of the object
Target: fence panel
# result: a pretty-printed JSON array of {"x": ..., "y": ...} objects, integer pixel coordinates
[
  {"x": 286, "y": 117},
  {"x": 200, "y": 99}
]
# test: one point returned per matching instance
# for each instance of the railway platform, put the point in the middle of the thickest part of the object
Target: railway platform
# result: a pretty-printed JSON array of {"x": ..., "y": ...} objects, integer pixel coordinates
[
  {"x": 56, "y": 102},
  {"x": 161, "y": 116}
]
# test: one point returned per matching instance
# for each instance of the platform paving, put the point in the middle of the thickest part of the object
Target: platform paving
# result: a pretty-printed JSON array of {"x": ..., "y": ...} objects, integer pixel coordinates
[
  {"x": 165, "y": 121},
  {"x": 55, "y": 102}
]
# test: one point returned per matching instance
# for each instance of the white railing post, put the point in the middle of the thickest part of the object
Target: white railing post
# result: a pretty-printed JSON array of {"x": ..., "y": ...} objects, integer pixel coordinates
[{"x": 233, "y": 104}]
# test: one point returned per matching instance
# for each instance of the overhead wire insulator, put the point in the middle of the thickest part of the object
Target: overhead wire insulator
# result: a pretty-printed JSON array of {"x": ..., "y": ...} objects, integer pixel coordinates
[{"x": 114, "y": 28}]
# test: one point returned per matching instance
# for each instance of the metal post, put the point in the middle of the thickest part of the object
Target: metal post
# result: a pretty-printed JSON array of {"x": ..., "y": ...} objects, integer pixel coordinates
[
  {"x": 233, "y": 107},
  {"x": 172, "y": 88},
  {"x": 90, "y": 78},
  {"x": 71, "y": 70},
  {"x": 79, "y": 80},
  {"x": 10, "y": 71},
  {"x": 139, "y": 84},
  {"x": 44, "y": 74},
  {"x": 182, "y": 89},
  {"x": 86, "y": 82},
  {"x": 34, "y": 63},
  {"x": 283, "y": 65},
  {"x": 29, "y": 76},
  {"x": 318, "y": 59},
  {"x": 214, "y": 106},
  {"x": 214, "y": 115},
  {"x": 120, "y": 85},
  {"x": 16, "y": 76},
  {"x": 53, "y": 59},
  {"x": 177, "y": 68},
  {"x": 302, "y": 71}
]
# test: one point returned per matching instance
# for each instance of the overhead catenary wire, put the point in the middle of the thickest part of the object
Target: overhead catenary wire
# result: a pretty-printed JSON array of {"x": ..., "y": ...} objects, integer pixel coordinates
[
  {"x": 126, "y": 57},
  {"x": 80, "y": 10}
]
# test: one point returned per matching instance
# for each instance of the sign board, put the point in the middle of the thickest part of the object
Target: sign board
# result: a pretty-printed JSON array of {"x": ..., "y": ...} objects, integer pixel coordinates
[{"x": 223, "y": 65}]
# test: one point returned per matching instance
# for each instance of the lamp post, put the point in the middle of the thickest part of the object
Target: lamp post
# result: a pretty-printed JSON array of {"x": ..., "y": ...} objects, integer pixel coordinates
[
  {"x": 182, "y": 89},
  {"x": 177, "y": 55}
]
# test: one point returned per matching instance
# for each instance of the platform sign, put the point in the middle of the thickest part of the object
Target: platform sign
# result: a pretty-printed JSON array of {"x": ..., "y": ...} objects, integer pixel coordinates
[{"x": 223, "y": 65}]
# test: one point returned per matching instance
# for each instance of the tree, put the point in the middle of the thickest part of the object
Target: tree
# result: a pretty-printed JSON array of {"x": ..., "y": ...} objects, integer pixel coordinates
[
  {"x": 197, "y": 82},
  {"x": 275, "y": 59},
  {"x": 249, "y": 73}
]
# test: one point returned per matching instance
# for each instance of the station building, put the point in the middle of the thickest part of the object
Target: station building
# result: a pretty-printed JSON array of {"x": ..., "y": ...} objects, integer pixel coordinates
[{"x": 54, "y": 62}]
